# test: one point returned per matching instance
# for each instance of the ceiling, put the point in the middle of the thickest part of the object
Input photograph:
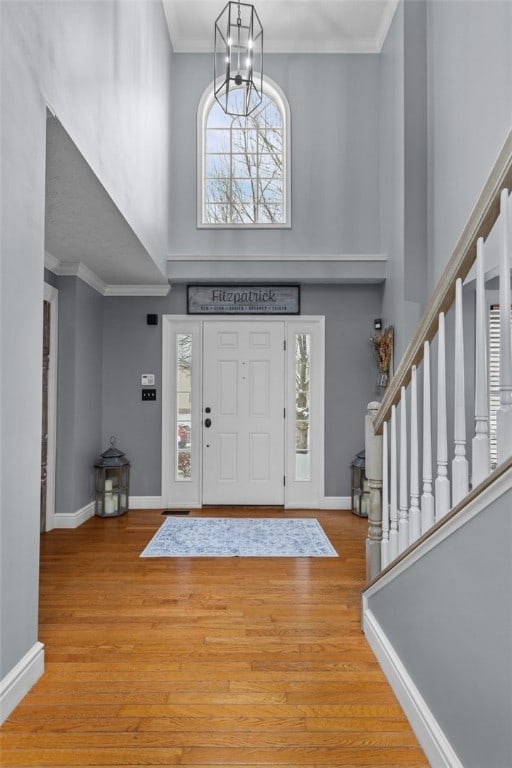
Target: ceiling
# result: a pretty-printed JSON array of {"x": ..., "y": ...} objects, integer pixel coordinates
[{"x": 290, "y": 26}]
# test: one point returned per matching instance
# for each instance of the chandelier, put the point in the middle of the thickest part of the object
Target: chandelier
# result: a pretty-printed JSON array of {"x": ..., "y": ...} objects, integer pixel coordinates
[{"x": 238, "y": 59}]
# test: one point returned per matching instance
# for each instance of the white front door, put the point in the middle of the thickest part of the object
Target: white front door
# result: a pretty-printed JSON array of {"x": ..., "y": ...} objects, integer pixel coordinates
[{"x": 243, "y": 412}]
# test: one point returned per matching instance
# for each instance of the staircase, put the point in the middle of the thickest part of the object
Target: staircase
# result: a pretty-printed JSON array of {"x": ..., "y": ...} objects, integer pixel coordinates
[{"x": 437, "y": 609}]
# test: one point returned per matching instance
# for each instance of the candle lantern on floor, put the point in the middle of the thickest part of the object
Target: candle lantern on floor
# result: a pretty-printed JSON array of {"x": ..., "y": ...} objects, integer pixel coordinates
[
  {"x": 360, "y": 489},
  {"x": 112, "y": 482}
]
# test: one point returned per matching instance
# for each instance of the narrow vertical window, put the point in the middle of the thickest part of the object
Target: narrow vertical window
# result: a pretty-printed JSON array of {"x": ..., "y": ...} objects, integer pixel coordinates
[
  {"x": 302, "y": 406},
  {"x": 183, "y": 469}
]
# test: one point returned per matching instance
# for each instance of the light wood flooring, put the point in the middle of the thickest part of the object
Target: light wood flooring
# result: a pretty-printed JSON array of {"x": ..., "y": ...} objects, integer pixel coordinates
[{"x": 205, "y": 661}]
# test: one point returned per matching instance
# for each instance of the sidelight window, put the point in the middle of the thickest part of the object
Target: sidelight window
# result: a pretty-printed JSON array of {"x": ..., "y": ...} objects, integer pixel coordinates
[
  {"x": 183, "y": 469},
  {"x": 302, "y": 406}
]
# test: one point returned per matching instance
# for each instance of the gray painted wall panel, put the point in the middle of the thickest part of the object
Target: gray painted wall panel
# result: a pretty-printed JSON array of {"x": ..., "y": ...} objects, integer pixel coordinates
[
  {"x": 449, "y": 619},
  {"x": 50, "y": 278},
  {"x": 470, "y": 111},
  {"x": 88, "y": 382},
  {"x": 131, "y": 347},
  {"x": 392, "y": 176},
  {"x": 66, "y": 373},
  {"x": 79, "y": 393},
  {"x": 416, "y": 161},
  {"x": 335, "y": 158},
  {"x": 21, "y": 296},
  {"x": 120, "y": 122}
]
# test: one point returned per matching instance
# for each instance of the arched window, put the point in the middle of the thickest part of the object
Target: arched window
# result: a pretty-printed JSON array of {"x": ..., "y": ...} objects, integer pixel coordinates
[{"x": 244, "y": 163}]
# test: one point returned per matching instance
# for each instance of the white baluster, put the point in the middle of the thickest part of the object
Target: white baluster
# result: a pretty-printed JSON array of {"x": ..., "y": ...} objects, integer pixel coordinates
[
  {"x": 427, "y": 499},
  {"x": 393, "y": 507},
  {"x": 442, "y": 484},
  {"x": 460, "y": 469},
  {"x": 504, "y": 414},
  {"x": 403, "y": 512},
  {"x": 384, "y": 547},
  {"x": 414, "y": 510},
  {"x": 373, "y": 449},
  {"x": 481, "y": 463}
]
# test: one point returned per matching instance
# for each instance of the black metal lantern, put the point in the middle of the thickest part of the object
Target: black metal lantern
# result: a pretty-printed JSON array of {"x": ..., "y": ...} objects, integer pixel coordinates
[
  {"x": 360, "y": 490},
  {"x": 238, "y": 59},
  {"x": 112, "y": 482}
]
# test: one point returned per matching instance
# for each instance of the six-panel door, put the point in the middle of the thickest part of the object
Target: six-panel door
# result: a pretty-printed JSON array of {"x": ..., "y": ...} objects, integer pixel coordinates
[{"x": 243, "y": 388}]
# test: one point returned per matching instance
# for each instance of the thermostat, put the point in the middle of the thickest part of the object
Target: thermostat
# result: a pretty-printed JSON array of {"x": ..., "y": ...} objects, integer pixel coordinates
[{"x": 147, "y": 379}]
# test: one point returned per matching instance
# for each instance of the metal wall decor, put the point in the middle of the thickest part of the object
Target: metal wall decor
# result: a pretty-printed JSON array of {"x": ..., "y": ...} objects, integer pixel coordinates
[{"x": 238, "y": 59}]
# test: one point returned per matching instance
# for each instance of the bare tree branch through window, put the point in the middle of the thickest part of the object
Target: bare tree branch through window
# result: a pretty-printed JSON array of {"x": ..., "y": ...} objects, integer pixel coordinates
[{"x": 244, "y": 167}]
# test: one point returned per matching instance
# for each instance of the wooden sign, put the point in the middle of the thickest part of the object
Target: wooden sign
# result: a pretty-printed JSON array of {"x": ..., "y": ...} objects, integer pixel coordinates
[{"x": 243, "y": 299}]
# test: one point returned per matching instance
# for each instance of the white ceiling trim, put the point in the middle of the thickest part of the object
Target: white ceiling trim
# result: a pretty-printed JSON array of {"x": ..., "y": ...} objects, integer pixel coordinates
[
  {"x": 77, "y": 269},
  {"x": 137, "y": 290}
]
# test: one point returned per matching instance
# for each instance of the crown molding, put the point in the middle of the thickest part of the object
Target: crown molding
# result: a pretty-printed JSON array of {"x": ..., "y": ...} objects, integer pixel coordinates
[
  {"x": 387, "y": 19},
  {"x": 137, "y": 290},
  {"x": 77, "y": 269},
  {"x": 50, "y": 262}
]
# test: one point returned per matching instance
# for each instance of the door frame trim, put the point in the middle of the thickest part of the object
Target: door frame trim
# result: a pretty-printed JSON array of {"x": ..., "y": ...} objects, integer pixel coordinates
[
  {"x": 178, "y": 494},
  {"x": 51, "y": 295}
]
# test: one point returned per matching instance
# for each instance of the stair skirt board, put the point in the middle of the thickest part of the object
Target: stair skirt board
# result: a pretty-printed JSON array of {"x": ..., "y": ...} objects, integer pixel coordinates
[{"x": 428, "y": 732}]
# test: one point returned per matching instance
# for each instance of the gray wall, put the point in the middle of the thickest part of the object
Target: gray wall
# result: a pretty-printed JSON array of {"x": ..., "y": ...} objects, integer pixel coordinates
[
  {"x": 392, "y": 176},
  {"x": 448, "y": 618},
  {"x": 445, "y": 111},
  {"x": 104, "y": 68},
  {"x": 470, "y": 111},
  {"x": 131, "y": 347},
  {"x": 404, "y": 170},
  {"x": 79, "y": 381},
  {"x": 50, "y": 278},
  {"x": 416, "y": 163},
  {"x": 335, "y": 158}
]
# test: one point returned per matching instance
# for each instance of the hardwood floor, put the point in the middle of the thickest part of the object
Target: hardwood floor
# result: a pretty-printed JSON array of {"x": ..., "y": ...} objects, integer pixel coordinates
[{"x": 205, "y": 661}]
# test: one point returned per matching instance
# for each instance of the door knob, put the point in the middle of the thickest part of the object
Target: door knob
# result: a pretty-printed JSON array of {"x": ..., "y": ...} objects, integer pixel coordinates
[{"x": 207, "y": 422}]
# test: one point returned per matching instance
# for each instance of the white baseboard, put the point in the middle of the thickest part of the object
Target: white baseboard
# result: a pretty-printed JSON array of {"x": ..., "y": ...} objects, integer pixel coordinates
[
  {"x": 336, "y": 502},
  {"x": 73, "y": 519},
  {"x": 146, "y": 502},
  {"x": 432, "y": 739},
  {"x": 18, "y": 682}
]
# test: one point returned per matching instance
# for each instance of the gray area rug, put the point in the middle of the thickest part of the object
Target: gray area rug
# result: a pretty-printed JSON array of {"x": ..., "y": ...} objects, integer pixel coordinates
[{"x": 240, "y": 537}]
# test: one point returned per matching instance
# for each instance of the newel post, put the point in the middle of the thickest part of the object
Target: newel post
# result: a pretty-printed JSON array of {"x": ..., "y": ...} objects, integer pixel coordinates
[{"x": 373, "y": 449}]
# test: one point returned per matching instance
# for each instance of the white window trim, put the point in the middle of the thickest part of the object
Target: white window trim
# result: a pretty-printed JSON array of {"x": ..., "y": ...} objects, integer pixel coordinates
[
  {"x": 305, "y": 494},
  {"x": 308, "y": 494},
  {"x": 178, "y": 493},
  {"x": 276, "y": 93}
]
